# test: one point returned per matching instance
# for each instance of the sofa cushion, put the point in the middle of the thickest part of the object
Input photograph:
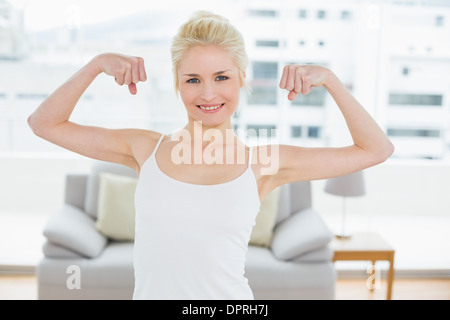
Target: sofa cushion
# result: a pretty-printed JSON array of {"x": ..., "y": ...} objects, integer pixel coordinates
[
  {"x": 267, "y": 273},
  {"x": 116, "y": 211},
  {"x": 73, "y": 229},
  {"x": 262, "y": 232},
  {"x": 92, "y": 185},
  {"x": 302, "y": 232},
  {"x": 113, "y": 268},
  {"x": 52, "y": 250},
  {"x": 320, "y": 255}
]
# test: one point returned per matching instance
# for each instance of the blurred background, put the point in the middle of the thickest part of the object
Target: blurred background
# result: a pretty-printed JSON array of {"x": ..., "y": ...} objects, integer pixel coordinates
[{"x": 393, "y": 55}]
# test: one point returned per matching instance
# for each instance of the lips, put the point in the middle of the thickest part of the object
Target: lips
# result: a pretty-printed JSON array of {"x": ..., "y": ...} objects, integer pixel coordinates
[{"x": 210, "y": 107}]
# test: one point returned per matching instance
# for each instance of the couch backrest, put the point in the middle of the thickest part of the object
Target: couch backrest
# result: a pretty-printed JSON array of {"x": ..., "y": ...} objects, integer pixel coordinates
[{"x": 293, "y": 197}]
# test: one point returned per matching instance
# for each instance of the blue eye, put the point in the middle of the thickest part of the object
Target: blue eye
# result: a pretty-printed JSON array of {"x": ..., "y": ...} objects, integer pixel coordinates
[
  {"x": 193, "y": 80},
  {"x": 221, "y": 78}
]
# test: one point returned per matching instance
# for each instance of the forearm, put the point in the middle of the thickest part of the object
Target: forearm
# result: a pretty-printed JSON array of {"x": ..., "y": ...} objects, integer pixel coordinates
[
  {"x": 58, "y": 107},
  {"x": 365, "y": 132}
]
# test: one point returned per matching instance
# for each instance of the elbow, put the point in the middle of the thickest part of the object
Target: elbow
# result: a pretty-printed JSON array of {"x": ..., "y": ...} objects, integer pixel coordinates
[
  {"x": 379, "y": 154},
  {"x": 35, "y": 125},
  {"x": 385, "y": 152},
  {"x": 388, "y": 150},
  {"x": 32, "y": 123}
]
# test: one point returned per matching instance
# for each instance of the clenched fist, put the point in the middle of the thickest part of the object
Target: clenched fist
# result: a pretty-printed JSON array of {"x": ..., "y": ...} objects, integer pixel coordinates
[
  {"x": 125, "y": 69},
  {"x": 301, "y": 78}
]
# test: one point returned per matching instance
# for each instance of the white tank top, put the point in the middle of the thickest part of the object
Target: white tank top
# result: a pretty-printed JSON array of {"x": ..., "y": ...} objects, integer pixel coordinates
[{"x": 191, "y": 240}]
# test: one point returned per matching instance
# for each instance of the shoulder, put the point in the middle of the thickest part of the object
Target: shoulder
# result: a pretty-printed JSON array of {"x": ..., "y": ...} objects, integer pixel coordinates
[{"x": 142, "y": 143}]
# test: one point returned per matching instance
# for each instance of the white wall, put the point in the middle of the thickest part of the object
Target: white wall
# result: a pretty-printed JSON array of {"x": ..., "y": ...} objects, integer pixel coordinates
[
  {"x": 35, "y": 185},
  {"x": 412, "y": 188}
]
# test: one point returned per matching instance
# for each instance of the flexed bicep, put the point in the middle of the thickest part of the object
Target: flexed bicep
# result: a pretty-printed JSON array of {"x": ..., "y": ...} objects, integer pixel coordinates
[{"x": 50, "y": 120}]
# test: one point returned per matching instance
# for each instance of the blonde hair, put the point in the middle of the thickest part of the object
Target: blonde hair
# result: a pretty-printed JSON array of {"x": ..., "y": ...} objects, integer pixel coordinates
[{"x": 205, "y": 28}]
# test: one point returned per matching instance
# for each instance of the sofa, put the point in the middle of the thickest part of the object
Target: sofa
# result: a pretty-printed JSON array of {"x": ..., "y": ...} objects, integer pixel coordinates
[{"x": 81, "y": 262}]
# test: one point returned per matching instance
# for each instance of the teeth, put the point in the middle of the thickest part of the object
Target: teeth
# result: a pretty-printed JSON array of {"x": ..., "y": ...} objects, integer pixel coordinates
[{"x": 211, "y": 108}]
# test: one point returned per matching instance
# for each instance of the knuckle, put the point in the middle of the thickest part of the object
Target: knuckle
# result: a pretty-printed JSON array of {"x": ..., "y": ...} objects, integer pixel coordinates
[
  {"x": 121, "y": 69},
  {"x": 134, "y": 61}
]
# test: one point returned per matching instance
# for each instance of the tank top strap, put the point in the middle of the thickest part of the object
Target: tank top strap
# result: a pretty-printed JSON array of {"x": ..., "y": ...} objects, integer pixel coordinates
[
  {"x": 157, "y": 145},
  {"x": 250, "y": 153}
]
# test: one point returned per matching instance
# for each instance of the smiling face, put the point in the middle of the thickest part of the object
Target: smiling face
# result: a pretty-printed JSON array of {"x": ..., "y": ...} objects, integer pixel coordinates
[{"x": 209, "y": 85}]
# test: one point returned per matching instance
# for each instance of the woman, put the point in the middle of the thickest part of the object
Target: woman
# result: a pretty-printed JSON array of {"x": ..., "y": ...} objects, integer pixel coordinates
[{"x": 194, "y": 216}]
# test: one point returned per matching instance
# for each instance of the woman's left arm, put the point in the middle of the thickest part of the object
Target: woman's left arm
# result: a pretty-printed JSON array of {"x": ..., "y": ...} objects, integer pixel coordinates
[{"x": 370, "y": 145}]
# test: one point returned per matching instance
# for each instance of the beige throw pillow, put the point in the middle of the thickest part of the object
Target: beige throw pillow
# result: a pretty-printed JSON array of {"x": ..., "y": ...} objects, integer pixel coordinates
[
  {"x": 116, "y": 211},
  {"x": 262, "y": 232}
]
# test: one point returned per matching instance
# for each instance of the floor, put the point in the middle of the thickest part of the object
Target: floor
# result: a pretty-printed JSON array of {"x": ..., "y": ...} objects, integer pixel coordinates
[
  {"x": 418, "y": 268},
  {"x": 25, "y": 288}
]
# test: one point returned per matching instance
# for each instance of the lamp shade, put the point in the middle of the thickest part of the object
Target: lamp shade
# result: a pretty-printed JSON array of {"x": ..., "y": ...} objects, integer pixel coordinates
[{"x": 351, "y": 185}]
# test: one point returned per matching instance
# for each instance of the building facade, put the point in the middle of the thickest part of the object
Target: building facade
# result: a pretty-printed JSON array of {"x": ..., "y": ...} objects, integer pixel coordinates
[{"x": 394, "y": 56}]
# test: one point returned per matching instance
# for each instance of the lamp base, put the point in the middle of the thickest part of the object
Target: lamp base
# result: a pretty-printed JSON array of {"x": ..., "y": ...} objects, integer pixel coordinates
[{"x": 343, "y": 236}]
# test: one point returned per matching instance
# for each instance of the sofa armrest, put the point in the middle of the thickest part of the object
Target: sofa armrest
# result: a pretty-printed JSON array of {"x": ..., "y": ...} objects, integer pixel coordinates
[
  {"x": 304, "y": 231},
  {"x": 73, "y": 229},
  {"x": 75, "y": 192}
]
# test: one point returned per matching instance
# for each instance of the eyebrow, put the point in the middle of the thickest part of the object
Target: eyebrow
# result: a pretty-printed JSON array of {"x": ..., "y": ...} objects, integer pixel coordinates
[{"x": 197, "y": 75}]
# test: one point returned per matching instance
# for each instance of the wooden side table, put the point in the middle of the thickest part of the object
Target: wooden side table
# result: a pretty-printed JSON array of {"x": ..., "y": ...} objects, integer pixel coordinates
[{"x": 366, "y": 247}]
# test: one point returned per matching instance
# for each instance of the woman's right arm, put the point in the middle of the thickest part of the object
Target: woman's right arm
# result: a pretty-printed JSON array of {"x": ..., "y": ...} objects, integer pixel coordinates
[{"x": 50, "y": 120}]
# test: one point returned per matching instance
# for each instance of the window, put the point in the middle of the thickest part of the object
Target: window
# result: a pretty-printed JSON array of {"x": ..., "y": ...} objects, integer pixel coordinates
[
  {"x": 258, "y": 130},
  {"x": 314, "y": 132},
  {"x": 31, "y": 96},
  {"x": 265, "y": 70},
  {"x": 429, "y": 133},
  {"x": 439, "y": 21},
  {"x": 263, "y": 94},
  {"x": 264, "y": 84},
  {"x": 296, "y": 131},
  {"x": 315, "y": 98},
  {"x": 321, "y": 14},
  {"x": 321, "y": 43},
  {"x": 268, "y": 43},
  {"x": 405, "y": 71},
  {"x": 346, "y": 15},
  {"x": 415, "y": 99},
  {"x": 303, "y": 14},
  {"x": 262, "y": 13}
]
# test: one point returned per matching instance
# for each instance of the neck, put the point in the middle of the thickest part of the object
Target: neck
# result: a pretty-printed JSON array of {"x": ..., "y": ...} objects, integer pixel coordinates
[
  {"x": 199, "y": 131},
  {"x": 198, "y": 142}
]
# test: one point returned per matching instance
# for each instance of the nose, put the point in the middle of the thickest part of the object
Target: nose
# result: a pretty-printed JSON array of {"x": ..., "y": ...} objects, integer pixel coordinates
[{"x": 208, "y": 92}]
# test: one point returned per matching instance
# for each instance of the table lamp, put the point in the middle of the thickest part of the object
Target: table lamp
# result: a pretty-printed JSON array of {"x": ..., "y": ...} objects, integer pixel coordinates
[{"x": 351, "y": 185}]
